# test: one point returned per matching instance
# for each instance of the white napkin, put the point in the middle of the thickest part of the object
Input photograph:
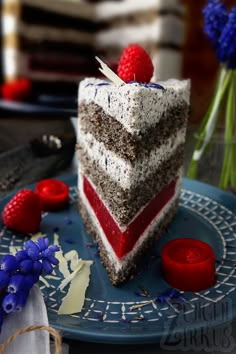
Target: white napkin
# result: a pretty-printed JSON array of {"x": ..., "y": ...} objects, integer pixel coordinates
[{"x": 34, "y": 313}]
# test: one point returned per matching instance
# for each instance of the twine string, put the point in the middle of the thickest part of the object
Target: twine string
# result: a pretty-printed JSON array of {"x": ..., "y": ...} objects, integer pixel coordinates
[{"x": 55, "y": 334}]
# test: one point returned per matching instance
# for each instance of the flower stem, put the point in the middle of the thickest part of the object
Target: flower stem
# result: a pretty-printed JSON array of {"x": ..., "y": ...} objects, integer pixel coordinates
[
  {"x": 233, "y": 143},
  {"x": 219, "y": 82},
  {"x": 193, "y": 166},
  {"x": 209, "y": 123},
  {"x": 228, "y": 137}
]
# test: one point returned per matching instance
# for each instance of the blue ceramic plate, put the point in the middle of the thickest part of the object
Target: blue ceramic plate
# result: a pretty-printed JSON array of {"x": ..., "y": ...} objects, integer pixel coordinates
[{"x": 109, "y": 315}]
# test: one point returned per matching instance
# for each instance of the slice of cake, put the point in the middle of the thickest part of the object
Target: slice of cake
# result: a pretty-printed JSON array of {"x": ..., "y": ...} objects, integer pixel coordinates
[{"x": 130, "y": 146}]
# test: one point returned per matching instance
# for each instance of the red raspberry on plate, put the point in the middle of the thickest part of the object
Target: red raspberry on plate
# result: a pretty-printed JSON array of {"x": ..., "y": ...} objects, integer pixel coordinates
[
  {"x": 23, "y": 212},
  {"x": 135, "y": 65}
]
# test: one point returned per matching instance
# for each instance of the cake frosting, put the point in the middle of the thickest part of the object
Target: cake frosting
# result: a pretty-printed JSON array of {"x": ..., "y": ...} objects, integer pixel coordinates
[
  {"x": 124, "y": 172},
  {"x": 130, "y": 147},
  {"x": 114, "y": 102}
]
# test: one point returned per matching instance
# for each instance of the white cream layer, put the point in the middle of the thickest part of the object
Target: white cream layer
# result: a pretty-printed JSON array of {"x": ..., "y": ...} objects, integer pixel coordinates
[
  {"x": 120, "y": 170},
  {"x": 101, "y": 11},
  {"x": 13, "y": 25},
  {"x": 9, "y": 24},
  {"x": 167, "y": 64},
  {"x": 136, "y": 107},
  {"x": 75, "y": 8},
  {"x": 119, "y": 264},
  {"x": 14, "y": 63},
  {"x": 108, "y": 9},
  {"x": 165, "y": 29}
]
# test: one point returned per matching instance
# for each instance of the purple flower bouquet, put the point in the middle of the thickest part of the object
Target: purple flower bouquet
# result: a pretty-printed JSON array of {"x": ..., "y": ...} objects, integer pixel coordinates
[{"x": 19, "y": 272}]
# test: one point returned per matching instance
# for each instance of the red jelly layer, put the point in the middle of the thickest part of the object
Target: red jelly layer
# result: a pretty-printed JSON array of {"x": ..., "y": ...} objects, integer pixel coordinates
[
  {"x": 189, "y": 264},
  {"x": 123, "y": 242}
]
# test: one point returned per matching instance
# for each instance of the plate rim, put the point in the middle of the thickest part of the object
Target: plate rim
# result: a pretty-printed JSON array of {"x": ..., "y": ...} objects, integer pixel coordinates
[{"x": 132, "y": 338}]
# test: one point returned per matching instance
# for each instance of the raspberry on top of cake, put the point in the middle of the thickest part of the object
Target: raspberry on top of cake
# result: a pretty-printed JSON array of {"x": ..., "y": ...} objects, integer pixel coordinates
[{"x": 130, "y": 146}]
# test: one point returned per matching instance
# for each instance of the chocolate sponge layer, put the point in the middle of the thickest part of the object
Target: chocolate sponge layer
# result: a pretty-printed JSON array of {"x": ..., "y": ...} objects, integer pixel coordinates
[
  {"x": 125, "y": 204},
  {"x": 107, "y": 130}
]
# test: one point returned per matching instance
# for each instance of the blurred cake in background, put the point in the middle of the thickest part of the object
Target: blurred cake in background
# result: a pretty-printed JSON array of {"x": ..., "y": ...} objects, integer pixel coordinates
[
  {"x": 157, "y": 25},
  {"x": 56, "y": 41},
  {"x": 47, "y": 41}
]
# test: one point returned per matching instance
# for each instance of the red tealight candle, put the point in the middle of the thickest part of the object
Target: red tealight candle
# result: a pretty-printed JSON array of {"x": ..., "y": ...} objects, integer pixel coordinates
[
  {"x": 18, "y": 90},
  {"x": 53, "y": 194},
  {"x": 189, "y": 264}
]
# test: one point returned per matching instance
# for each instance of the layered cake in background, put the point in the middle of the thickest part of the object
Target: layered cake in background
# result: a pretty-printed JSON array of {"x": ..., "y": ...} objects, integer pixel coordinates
[
  {"x": 47, "y": 41},
  {"x": 130, "y": 147},
  {"x": 55, "y": 41},
  {"x": 156, "y": 25}
]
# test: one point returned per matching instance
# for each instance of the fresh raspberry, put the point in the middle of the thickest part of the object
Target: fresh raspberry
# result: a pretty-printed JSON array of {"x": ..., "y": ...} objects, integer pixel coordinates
[
  {"x": 135, "y": 65},
  {"x": 23, "y": 212},
  {"x": 17, "y": 90}
]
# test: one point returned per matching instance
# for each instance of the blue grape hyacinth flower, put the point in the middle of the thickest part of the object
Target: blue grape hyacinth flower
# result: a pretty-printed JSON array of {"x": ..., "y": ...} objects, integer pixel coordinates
[
  {"x": 227, "y": 42},
  {"x": 216, "y": 16},
  {"x": 9, "y": 303},
  {"x": 220, "y": 27},
  {"x": 16, "y": 283},
  {"x": 4, "y": 279},
  {"x": 20, "y": 272},
  {"x": 9, "y": 263}
]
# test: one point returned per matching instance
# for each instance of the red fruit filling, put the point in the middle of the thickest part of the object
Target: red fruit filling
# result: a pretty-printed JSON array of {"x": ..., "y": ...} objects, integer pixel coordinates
[
  {"x": 123, "y": 242},
  {"x": 189, "y": 264}
]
